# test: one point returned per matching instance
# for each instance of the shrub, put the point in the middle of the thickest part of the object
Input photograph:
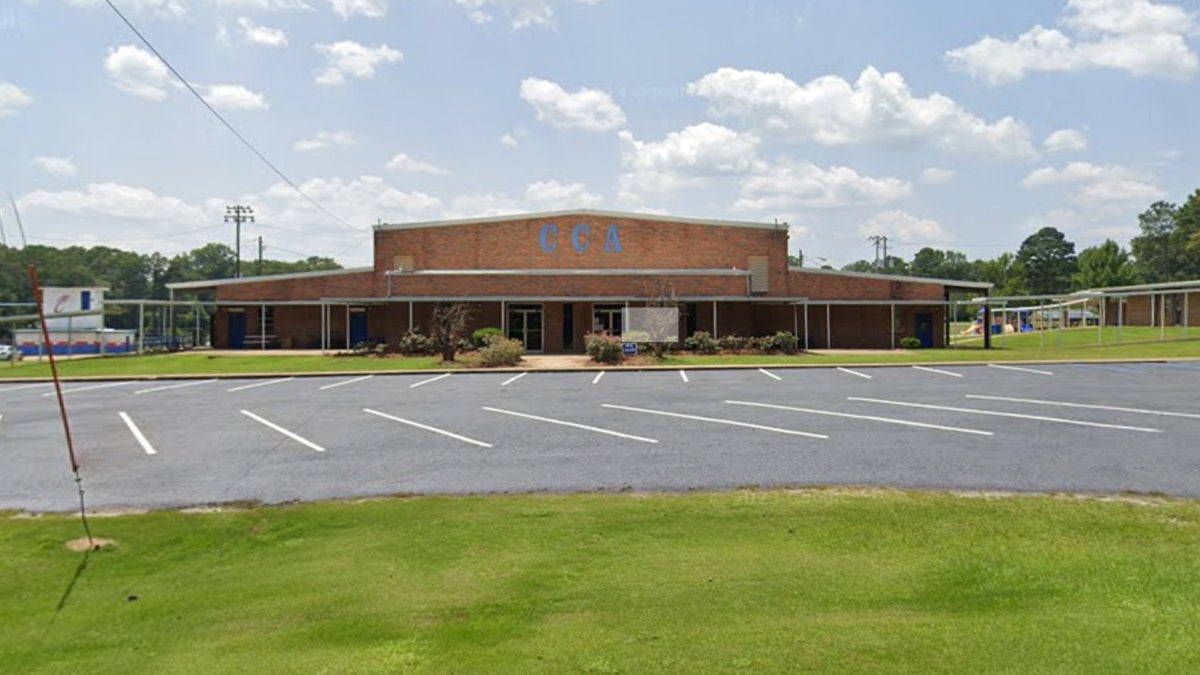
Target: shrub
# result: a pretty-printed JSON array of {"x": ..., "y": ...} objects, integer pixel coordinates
[
  {"x": 783, "y": 341},
  {"x": 731, "y": 343},
  {"x": 755, "y": 344},
  {"x": 910, "y": 343},
  {"x": 415, "y": 344},
  {"x": 604, "y": 348},
  {"x": 501, "y": 351},
  {"x": 481, "y": 337},
  {"x": 701, "y": 342}
]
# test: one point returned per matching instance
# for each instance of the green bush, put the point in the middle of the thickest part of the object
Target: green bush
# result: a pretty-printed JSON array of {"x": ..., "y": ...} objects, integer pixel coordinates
[
  {"x": 783, "y": 341},
  {"x": 500, "y": 351},
  {"x": 731, "y": 343},
  {"x": 481, "y": 337},
  {"x": 701, "y": 342},
  {"x": 910, "y": 343},
  {"x": 415, "y": 344},
  {"x": 604, "y": 348}
]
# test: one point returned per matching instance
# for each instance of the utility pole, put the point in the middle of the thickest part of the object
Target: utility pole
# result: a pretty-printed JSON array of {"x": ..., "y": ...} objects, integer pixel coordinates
[
  {"x": 239, "y": 214},
  {"x": 880, "y": 242},
  {"x": 260, "y": 255}
]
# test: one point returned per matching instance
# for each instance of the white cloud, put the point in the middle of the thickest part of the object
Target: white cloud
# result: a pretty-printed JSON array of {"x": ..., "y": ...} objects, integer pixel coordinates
[
  {"x": 136, "y": 71},
  {"x": 904, "y": 228},
  {"x": 12, "y": 99},
  {"x": 682, "y": 159},
  {"x": 589, "y": 109},
  {"x": 877, "y": 109},
  {"x": 261, "y": 35},
  {"x": 403, "y": 162},
  {"x": 1097, "y": 184},
  {"x": 349, "y": 58},
  {"x": 551, "y": 195},
  {"x": 1065, "y": 140},
  {"x": 521, "y": 13},
  {"x": 790, "y": 184},
  {"x": 56, "y": 166},
  {"x": 361, "y": 200},
  {"x": 508, "y": 140},
  {"x": 325, "y": 139},
  {"x": 1077, "y": 172},
  {"x": 373, "y": 9},
  {"x": 167, "y": 9},
  {"x": 117, "y": 201},
  {"x": 234, "y": 97},
  {"x": 177, "y": 9},
  {"x": 936, "y": 176},
  {"x": 1139, "y": 37}
]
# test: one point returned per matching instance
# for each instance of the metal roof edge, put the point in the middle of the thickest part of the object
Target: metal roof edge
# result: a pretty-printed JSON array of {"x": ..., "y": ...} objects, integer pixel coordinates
[
  {"x": 208, "y": 283},
  {"x": 539, "y": 215},
  {"x": 895, "y": 277}
]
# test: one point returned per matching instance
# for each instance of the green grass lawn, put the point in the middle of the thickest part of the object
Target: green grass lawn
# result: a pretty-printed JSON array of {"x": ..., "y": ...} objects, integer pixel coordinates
[
  {"x": 1073, "y": 344},
  {"x": 748, "y": 581},
  {"x": 200, "y": 363}
]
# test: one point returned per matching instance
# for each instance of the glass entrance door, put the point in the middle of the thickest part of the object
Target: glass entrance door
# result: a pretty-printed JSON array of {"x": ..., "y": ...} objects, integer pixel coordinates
[{"x": 525, "y": 324}]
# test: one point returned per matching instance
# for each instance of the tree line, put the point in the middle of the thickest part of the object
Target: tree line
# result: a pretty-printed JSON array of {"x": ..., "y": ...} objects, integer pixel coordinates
[
  {"x": 1167, "y": 249},
  {"x": 128, "y": 274}
]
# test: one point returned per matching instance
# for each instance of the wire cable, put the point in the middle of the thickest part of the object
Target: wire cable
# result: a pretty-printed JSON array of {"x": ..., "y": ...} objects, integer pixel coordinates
[{"x": 225, "y": 122}]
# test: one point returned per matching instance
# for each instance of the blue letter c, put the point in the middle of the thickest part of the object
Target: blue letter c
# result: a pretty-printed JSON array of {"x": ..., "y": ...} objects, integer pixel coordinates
[{"x": 549, "y": 237}]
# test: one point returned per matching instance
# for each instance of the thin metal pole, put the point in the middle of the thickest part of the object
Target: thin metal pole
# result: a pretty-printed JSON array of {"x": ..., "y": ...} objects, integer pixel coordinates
[
  {"x": 714, "y": 333},
  {"x": 262, "y": 327},
  {"x": 1162, "y": 317},
  {"x": 347, "y": 327},
  {"x": 806, "y": 342},
  {"x": 892, "y": 325},
  {"x": 795, "y": 321},
  {"x": 828, "y": 328},
  {"x": 141, "y": 328},
  {"x": 1120, "y": 317}
]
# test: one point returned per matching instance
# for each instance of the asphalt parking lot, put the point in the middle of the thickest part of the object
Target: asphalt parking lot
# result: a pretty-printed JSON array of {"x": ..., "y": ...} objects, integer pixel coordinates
[{"x": 1065, "y": 427}]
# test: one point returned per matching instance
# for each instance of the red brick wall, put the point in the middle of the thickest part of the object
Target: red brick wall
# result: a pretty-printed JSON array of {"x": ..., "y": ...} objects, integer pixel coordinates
[
  {"x": 516, "y": 244},
  {"x": 817, "y": 286},
  {"x": 352, "y": 285}
]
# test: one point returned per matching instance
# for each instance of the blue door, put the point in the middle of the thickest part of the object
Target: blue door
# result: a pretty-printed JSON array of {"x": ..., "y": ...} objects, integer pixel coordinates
[
  {"x": 925, "y": 329},
  {"x": 237, "y": 330},
  {"x": 358, "y": 328}
]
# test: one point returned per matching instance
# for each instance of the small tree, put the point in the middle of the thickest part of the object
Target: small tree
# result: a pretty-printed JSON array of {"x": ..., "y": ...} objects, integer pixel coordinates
[{"x": 448, "y": 325}]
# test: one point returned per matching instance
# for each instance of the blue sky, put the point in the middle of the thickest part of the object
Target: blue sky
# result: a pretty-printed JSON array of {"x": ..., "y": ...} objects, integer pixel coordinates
[{"x": 933, "y": 122}]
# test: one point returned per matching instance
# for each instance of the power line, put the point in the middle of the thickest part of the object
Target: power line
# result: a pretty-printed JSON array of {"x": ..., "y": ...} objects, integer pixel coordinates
[{"x": 225, "y": 122}]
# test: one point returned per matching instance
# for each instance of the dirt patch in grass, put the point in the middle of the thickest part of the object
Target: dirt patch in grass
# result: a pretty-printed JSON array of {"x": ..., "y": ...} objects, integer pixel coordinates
[{"x": 83, "y": 544}]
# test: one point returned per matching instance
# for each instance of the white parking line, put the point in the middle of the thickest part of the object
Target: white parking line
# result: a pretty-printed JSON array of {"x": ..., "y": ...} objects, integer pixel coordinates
[
  {"x": 26, "y": 386},
  {"x": 684, "y": 376},
  {"x": 294, "y": 436},
  {"x": 414, "y": 385},
  {"x": 138, "y": 435},
  {"x": 976, "y": 411},
  {"x": 1019, "y": 369},
  {"x": 770, "y": 374},
  {"x": 598, "y": 376},
  {"x": 94, "y": 386},
  {"x": 571, "y": 424},
  {"x": 261, "y": 384},
  {"x": 172, "y": 386},
  {"x": 938, "y": 371},
  {"x": 854, "y": 372},
  {"x": 1141, "y": 411},
  {"x": 426, "y": 427},
  {"x": 512, "y": 379},
  {"x": 872, "y": 418},
  {"x": 715, "y": 420},
  {"x": 343, "y": 382}
]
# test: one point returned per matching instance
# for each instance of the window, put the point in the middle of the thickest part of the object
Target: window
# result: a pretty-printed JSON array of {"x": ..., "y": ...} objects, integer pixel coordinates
[{"x": 607, "y": 318}]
